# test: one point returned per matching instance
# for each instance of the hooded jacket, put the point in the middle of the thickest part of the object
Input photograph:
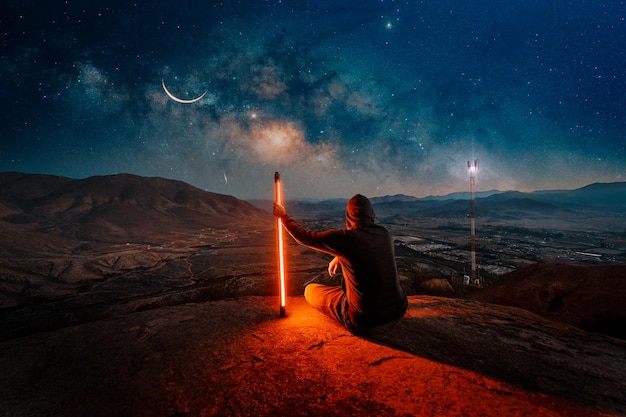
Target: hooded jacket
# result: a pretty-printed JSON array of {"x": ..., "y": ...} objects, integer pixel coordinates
[{"x": 366, "y": 254}]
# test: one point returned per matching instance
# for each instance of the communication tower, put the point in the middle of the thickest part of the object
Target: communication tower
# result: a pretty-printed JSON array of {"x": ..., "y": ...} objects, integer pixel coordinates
[{"x": 472, "y": 167}]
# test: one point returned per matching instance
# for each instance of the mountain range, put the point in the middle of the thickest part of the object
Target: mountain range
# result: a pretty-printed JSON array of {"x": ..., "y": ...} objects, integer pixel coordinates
[
  {"x": 63, "y": 239},
  {"x": 595, "y": 198},
  {"x": 111, "y": 209}
]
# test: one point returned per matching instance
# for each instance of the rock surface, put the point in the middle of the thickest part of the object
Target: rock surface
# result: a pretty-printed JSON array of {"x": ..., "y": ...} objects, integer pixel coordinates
[
  {"x": 238, "y": 357},
  {"x": 588, "y": 297}
]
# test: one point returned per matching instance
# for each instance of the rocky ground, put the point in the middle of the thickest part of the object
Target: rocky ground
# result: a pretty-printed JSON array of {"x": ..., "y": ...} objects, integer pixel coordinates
[
  {"x": 237, "y": 357},
  {"x": 588, "y": 297}
]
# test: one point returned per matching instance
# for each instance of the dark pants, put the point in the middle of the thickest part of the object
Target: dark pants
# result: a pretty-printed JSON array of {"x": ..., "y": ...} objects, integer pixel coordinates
[{"x": 331, "y": 301}]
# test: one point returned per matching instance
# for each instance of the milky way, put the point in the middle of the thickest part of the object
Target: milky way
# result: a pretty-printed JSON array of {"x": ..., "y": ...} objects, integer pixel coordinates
[{"x": 377, "y": 97}]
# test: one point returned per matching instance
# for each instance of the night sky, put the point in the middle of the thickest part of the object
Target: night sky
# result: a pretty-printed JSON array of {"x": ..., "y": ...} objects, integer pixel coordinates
[{"x": 373, "y": 96}]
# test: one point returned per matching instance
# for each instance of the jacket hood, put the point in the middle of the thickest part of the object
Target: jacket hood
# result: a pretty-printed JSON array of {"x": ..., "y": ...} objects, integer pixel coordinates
[{"x": 359, "y": 211}]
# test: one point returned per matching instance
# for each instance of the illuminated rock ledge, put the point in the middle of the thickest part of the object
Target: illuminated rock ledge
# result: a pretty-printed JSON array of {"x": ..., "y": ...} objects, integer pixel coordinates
[{"x": 238, "y": 357}]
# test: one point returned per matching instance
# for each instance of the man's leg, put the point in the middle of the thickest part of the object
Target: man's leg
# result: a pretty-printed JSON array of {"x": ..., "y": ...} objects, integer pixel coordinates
[{"x": 329, "y": 300}]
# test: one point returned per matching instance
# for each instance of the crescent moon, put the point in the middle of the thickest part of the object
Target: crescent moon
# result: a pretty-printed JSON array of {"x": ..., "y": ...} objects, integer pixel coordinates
[{"x": 180, "y": 100}]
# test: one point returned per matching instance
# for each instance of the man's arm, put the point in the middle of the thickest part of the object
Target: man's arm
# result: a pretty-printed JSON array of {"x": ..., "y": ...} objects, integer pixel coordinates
[{"x": 330, "y": 241}]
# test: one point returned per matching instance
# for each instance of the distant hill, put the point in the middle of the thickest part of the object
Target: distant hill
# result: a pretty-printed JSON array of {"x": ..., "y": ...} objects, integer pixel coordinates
[
  {"x": 100, "y": 246},
  {"x": 493, "y": 204},
  {"x": 509, "y": 205},
  {"x": 114, "y": 208},
  {"x": 595, "y": 196},
  {"x": 393, "y": 198},
  {"x": 463, "y": 195}
]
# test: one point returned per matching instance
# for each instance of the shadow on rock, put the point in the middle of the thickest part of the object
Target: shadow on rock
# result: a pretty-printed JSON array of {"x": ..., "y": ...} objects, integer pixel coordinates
[{"x": 514, "y": 346}]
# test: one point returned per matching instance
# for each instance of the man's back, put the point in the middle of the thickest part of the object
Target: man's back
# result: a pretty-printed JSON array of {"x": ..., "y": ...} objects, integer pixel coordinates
[{"x": 369, "y": 269}]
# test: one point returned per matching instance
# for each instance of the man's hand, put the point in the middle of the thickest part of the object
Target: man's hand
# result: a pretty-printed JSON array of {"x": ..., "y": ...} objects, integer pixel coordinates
[
  {"x": 333, "y": 266},
  {"x": 279, "y": 210}
]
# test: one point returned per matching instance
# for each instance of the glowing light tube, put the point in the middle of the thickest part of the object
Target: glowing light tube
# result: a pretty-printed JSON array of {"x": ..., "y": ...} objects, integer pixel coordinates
[{"x": 278, "y": 198}]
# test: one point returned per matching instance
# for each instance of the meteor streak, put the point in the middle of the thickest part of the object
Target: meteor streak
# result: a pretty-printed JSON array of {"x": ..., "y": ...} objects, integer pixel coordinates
[{"x": 224, "y": 171}]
